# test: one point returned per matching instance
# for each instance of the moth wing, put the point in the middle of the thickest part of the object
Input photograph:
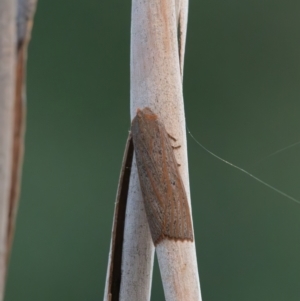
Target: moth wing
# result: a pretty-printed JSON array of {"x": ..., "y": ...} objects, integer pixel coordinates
[
  {"x": 178, "y": 224},
  {"x": 164, "y": 194},
  {"x": 150, "y": 183}
]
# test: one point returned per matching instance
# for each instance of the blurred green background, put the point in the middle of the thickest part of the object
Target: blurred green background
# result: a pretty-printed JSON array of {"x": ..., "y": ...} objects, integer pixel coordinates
[{"x": 242, "y": 91}]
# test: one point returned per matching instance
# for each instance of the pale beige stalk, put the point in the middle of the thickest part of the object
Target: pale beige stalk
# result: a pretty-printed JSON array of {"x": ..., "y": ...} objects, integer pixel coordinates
[
  {"x": 24, "y": 22},
  {"x": 7, "y": 95},
  {"x": 15, "y": 28},
  {"x": 156, "y": 82}
]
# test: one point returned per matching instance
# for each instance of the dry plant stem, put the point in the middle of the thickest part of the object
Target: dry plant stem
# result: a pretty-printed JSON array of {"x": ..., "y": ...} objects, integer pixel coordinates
[
  {"x": 177, "y": 268},
  {"x": 113, "y": 276},
  {"x": 25, "y": 13},
  {"x": 7, "y": 93},
  {"x": 138, "y": 253},
  {"x": 15, "y": 29},
  {"x": 156, "y": 82}
]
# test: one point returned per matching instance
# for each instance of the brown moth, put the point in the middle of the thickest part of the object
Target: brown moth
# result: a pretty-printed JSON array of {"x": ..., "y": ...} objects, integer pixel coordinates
[{"x": 163, "y": 191}]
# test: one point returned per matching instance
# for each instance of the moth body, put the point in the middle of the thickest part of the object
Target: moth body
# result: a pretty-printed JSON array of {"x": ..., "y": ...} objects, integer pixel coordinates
[{"x": 163, "y": 191}]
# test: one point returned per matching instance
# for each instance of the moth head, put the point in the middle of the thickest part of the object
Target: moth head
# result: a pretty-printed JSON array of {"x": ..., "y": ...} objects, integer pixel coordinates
[{"x": 146, "y": 114}]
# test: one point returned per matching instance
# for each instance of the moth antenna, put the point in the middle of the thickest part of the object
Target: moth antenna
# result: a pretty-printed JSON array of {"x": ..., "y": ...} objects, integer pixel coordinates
[
  {"x": 176, "y": 147},
  {"x": 171, "y": 137}
]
